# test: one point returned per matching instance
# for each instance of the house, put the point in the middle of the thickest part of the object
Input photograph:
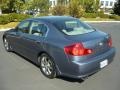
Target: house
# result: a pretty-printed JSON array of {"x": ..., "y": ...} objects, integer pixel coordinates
[
  {"x": 107, "y": 5},
  {"x": 54, "y": 2}
]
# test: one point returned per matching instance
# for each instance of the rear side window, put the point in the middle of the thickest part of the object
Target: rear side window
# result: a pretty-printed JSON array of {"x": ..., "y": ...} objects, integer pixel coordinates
[
  {"x": 38, "y": 29},
  {"x": 73, "y": 27}
]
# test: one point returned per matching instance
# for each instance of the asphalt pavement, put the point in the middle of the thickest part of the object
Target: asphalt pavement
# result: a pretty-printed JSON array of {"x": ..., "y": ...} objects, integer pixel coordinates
[{"x": 17, "y": 73}]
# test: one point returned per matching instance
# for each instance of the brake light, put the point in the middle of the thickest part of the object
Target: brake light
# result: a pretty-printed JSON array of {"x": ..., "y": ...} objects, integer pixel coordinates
[
  {"x": 110, "y": 42},
  {"x": 77, "y": 50}
]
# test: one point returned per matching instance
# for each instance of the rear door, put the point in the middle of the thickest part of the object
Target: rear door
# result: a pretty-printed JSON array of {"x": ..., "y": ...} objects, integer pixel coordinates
[{"x": 34, "y": 39}]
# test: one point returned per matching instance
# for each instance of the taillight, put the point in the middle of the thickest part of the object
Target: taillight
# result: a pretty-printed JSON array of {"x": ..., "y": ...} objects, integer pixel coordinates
[
  {"x": 110, "y": 42},
  {"x": 77, "y": 49}
]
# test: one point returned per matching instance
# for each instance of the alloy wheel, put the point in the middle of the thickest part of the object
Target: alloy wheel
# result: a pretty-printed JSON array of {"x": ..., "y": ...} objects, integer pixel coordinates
[
  {"x": 6, "y": 44},
  {"x": 47, "y": 66}
]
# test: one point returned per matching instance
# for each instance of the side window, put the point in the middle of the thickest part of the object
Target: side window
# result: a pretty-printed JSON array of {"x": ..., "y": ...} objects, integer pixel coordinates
[
  {"x": 38, "y": 29},
  {"x": 24, "y": 27}
]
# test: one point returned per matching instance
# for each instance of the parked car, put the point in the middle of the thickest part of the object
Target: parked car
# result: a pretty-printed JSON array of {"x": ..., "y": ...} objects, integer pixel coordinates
[{"x": 61, "y": 45}]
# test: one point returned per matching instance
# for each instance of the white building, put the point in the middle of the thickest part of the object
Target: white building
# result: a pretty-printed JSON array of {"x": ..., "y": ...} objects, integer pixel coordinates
[
  {"x": 103, "y": 3},
  {"x": 53, "y": 3},
  {"x": 107, "y": 3}
]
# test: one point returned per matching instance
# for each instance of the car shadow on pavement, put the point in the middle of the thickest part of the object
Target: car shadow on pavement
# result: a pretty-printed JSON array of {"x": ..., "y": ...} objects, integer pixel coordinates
[
  {"x": 58, "y": 77},
  {"x": 25, "y": 59},
  {"x": 70, "y": 79}
]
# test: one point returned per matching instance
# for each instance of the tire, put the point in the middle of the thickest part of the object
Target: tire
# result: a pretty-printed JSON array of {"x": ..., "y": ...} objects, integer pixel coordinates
[
  {"x": 47, "y": 66},
  {"x": 6, "y": 45}
]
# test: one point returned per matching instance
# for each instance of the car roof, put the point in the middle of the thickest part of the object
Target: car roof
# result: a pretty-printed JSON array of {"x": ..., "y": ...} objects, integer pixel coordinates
[{"x": 53, "y": 19}]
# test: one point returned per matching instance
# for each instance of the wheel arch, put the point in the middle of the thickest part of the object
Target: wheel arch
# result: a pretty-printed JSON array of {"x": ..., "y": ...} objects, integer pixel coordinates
[
  {"x": 56, "y": 66},
  {"x": 4, "y": 36}
]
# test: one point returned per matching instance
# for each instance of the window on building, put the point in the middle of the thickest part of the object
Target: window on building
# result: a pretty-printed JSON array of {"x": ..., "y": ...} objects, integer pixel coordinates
[
  {"x": 54, "y": 3},
  {"x": 50, "y": 3},
  {"x": 106, "y": 3},
  {"x": 111, "y": 3},
  {"x": 102, "y": 3}
]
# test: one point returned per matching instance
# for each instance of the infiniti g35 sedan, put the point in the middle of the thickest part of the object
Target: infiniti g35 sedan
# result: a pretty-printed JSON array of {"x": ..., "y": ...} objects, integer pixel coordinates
[{"x": 61, "y": 46}]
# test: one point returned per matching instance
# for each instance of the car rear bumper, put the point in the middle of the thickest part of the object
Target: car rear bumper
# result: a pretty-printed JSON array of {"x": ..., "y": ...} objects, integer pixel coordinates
[{"x": 81, "y": 69}]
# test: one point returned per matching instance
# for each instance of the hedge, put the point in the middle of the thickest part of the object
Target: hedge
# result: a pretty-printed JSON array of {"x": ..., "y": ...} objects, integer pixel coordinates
[
  {"x": 95, "y": 15},
  {"x": 13, "y": 17},
  {"x": 115, "y": 17}
]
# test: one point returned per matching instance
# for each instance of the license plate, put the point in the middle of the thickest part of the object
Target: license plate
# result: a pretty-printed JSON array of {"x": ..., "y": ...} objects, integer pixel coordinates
[{"x": 103, "y": 63}]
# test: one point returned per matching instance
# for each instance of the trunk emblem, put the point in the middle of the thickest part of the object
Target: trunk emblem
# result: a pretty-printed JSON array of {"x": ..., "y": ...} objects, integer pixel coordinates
[{"x": 100, "y": 43}]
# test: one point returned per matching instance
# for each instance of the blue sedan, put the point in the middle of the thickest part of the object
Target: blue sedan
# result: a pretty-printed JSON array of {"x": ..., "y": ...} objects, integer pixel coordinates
[{"x": 61, "y": 46}]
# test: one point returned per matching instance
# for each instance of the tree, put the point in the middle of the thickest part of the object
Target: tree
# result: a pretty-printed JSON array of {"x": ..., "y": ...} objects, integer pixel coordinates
[
  {"x": 62, "y": 2},
  {"x": 59, "y": 10},
  {"x": 12, "y": 5},
  {"x": 75, "y": 9},
  {"x": 43, "y": 5},
  {"x": 96, "y": 5},
  {"x": 16, "y": 5},
  {"x": 116, "y": 8},
  {"x": 3, "y": 4},
  {"x": 91, "y": 6}
]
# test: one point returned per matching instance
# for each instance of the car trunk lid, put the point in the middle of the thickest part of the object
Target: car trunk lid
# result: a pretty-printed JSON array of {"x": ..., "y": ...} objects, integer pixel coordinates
[{"x": 97, "y": 41}]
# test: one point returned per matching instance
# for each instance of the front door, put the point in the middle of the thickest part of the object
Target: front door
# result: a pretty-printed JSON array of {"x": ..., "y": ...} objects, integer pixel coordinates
[{"x": 19, "y": 42}]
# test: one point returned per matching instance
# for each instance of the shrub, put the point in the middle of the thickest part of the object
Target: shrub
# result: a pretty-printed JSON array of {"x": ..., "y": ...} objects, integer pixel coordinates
[
  {"x": 94, "y": 15},
  {"x": 42, "y": 14},
  {"x": 90, "y": 15},
  {"x": 114, "y": 17},
  {"x": 102, "y": 15},
  {"x": 4, "y": 19},
  {"x": 22, "y": 17},
  {"x": 13, "y": 17},
  {"x": 59, "y": 10},
  {"x": 91, "y": 6},
  {"x": 75, "y": 9}
]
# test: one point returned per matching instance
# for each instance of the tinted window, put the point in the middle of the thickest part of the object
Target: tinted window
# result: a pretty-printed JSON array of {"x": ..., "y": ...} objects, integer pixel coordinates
[
  {"x": 24, "y": 27},
  {"x": 38, "y": 29},
  {"x": 73, "y": 27}
]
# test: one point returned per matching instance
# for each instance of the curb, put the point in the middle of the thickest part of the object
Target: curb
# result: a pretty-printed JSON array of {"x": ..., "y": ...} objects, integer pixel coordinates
[
  {"x": 102, "y": 21},
  {"x": 5, "y": 29}
]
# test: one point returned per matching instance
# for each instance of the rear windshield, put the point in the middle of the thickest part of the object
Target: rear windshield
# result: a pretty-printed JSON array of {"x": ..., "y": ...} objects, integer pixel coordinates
[{"x": 73, "y": 27}]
